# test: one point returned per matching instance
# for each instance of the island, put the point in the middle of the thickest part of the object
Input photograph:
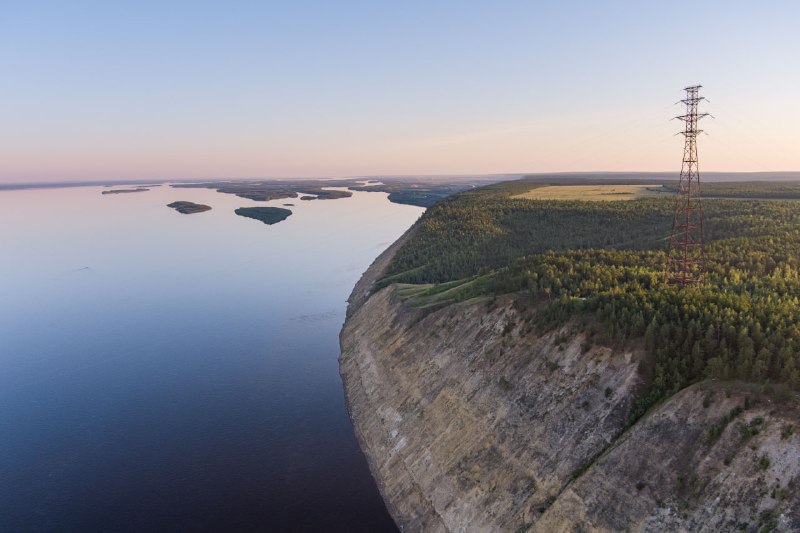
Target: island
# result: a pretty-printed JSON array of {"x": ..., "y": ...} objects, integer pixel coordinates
[
  {"x": 267, "y": 215},
  {"x": 324, "y": 194},
  {"x": 266, "y": 190},
  {"x": 187, "y": 208},
  {"x": 422, "y": 191},
  {"x": 123, "y": 191}
]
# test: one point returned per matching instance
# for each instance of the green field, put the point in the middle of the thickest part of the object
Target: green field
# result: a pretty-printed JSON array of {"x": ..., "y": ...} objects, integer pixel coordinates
[{"x": 592, "y": 193}]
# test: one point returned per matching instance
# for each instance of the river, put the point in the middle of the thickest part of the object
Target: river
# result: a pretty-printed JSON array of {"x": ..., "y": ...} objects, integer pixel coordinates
[{"x": 168, "y": 372}]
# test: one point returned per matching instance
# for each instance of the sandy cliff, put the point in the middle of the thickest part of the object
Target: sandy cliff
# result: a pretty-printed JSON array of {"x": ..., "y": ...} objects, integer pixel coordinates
[{"x": 471, "y": 421}]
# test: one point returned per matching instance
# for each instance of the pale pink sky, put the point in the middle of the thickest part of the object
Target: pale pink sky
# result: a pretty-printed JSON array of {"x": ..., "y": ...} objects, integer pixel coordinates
[{"x": 326, "y": 89}]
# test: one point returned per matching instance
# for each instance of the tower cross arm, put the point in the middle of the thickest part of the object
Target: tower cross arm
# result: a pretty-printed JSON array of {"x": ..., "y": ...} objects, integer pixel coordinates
[{"x": 697, "y": 116}]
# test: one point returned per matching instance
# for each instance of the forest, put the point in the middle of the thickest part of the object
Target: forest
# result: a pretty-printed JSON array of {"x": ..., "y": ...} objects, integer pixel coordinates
[{"x": 602, "y": 265}]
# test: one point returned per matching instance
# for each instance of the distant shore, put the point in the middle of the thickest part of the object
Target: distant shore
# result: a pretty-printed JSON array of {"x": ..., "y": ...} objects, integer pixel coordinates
[{"x": 790, "y": 175}]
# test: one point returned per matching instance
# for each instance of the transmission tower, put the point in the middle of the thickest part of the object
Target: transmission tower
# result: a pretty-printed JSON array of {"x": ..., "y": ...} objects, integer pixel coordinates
[{"x": 685, "y": 256}]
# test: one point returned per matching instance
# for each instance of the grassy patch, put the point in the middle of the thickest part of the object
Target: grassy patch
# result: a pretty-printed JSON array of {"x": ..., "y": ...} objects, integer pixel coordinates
[{"x": 592, "y": 193}]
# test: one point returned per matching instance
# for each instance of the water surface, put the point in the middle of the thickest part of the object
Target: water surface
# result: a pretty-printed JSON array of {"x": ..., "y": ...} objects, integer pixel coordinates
[{"x": 161, "y": 371}]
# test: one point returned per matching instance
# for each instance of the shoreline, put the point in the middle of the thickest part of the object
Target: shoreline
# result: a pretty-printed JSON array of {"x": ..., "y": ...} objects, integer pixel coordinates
[{"x": 359, "y": 294}]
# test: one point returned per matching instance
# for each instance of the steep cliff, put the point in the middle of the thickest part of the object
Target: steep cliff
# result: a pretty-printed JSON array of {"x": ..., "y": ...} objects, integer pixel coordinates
[{"x": 473, "y": 421}]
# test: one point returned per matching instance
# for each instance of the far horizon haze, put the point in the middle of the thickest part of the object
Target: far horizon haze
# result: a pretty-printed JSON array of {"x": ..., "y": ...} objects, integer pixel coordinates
[{"x": 198, "y": 90}]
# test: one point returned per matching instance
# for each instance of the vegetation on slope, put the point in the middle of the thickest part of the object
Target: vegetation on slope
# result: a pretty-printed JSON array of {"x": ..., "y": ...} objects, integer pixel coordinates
[{"x": 607, "y": 260}]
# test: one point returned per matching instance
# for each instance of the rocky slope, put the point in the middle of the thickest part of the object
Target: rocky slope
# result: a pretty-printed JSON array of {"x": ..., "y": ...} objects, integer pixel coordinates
[{"x": 471, "y": 421}]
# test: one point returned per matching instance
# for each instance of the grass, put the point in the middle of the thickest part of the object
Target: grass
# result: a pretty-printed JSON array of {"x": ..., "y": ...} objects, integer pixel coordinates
[
  {"x": 435, "y": 295},
  {"x": 593, "y": 193}
]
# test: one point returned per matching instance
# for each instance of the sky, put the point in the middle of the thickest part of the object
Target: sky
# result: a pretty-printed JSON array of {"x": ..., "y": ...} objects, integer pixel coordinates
[{"x": 199, "y": 90}]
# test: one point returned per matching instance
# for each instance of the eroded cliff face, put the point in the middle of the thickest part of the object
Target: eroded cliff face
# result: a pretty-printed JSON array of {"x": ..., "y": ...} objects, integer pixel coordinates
[{"x": 471, "y": 421}]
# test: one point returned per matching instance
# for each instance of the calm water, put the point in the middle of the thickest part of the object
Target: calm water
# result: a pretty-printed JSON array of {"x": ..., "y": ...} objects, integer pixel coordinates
[{"x": 174, "y": 372}]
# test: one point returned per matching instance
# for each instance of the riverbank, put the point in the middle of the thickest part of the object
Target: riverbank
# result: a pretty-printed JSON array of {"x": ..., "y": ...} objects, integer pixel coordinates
[{"x": 472, "y": 422}]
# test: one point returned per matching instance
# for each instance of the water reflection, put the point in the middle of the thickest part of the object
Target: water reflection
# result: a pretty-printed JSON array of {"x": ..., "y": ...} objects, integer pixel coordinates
[{"x": 162, "y": 371}]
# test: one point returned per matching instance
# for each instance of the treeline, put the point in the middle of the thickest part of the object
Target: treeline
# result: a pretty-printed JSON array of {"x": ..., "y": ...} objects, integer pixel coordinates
[
  {"x": 785, "y": 190},
  {"x": 604, "y": 262},
  {"x": 743, "y": 322}
]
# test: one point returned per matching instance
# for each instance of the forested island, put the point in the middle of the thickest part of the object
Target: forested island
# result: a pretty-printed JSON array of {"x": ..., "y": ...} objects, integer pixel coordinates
[
  {"x": 416, "y": 190},
  {"x": 265, "y": 190},
  {"x": 267, "y": 215},
  {"x": 188, "y": 208},
  {"x": 520, "y": 363},
  {"x": 124, "y": 191}
]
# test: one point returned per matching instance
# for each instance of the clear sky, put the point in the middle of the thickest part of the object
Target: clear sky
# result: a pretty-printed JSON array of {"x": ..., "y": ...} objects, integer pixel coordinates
[{"x": 194, "y": 89}]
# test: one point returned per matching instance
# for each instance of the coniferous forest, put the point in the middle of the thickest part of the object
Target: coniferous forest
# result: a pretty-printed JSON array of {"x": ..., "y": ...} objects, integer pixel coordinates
[{"x": 602, "y": 265}]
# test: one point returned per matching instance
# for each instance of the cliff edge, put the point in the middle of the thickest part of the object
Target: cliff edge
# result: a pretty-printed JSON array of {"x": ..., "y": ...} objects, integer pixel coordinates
[{"x": 473, "y": 421}]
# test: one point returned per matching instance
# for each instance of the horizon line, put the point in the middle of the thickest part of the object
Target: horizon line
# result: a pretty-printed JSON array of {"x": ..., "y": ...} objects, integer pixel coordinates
[{"x": 794, "y": 174}]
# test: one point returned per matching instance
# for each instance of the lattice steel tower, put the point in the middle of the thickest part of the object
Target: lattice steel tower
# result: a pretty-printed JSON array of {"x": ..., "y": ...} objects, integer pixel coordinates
[{"x": 685, "y": 256}]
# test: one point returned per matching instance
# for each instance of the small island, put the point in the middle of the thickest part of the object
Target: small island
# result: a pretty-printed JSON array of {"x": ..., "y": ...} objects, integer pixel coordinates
[
  {"x": 324, "y": 194},
  {"x": 123, "y": 191},
  {"x": 267, "y": 215},
  {"x": 187, "y": 208}
]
